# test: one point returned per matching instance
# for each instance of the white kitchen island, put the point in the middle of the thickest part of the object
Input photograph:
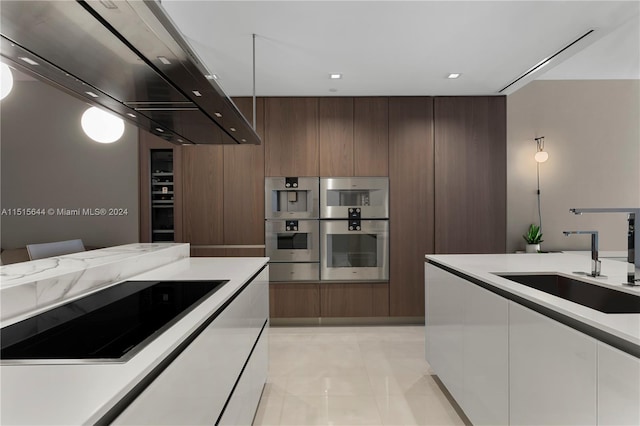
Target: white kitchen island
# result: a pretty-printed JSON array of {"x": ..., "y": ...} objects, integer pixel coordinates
[
  {"x": 511, "y": 354},
  {"x": 210, "y": 366}
]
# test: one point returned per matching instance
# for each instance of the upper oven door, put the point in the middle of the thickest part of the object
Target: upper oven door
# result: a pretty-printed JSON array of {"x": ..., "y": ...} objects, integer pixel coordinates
[
  {"x": 349, "y": 253},
  {"x": 292, "y": 240},
  {"x": 291, "y": 198},
  {"x": 355, "y": 197}
]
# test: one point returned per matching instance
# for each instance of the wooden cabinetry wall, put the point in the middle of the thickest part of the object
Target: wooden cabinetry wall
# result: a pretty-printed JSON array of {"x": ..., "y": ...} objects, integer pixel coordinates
[{"x": 446, "y": 162}]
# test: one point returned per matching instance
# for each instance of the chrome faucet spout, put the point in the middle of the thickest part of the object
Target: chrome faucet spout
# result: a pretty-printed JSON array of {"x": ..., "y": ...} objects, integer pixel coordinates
[
  {"x": 633, "y": 239},
  {"x": 595, "y": 263}
]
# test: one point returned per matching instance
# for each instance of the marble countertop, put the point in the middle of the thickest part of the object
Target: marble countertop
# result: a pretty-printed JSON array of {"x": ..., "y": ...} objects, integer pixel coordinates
[
  {"x": 28, "y": 287},
  {"x": 82, "y": 393},
  {"x": 37, "y": 270},
  {"x": 484, "y": 266}
]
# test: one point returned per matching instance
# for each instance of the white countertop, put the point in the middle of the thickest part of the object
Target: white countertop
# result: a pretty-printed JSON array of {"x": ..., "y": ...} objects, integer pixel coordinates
[
  {"x": 83, "y": 393},
  {"x": 41, "y": 284},
  {"x": 483, "y": 267}
]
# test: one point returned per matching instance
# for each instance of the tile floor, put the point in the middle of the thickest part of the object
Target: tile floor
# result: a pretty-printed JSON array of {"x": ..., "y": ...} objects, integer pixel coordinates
[{"x": 351, "y": 376}]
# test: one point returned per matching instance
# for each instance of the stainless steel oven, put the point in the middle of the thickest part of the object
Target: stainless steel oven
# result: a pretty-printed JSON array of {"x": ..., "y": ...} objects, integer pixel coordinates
[
  {"x": 292, "y": 240},
  {"x": 293, "y": 247},
  {"x": 355, "y": 197},
  {"x": 291, "y": 197},
  {"x": 354, "y": 249}
]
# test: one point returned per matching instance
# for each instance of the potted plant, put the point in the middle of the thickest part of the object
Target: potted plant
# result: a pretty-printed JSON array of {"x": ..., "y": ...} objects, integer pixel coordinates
[{"x": 533, "y": 238}]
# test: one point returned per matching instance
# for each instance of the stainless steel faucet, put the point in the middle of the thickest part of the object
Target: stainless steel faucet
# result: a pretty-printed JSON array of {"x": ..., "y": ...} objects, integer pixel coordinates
[
  {"x": 595, "y": 263},
  {"x": 633, "y": 240}
]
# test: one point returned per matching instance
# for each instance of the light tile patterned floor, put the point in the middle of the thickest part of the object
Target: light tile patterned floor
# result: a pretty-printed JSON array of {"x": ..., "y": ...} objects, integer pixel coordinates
[{"x": 351, "y": 376}]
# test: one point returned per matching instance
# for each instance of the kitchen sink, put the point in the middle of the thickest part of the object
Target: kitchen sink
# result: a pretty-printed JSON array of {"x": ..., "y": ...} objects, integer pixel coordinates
[
  {"x": 593, "y": 296},
  {"x": 110, "y": 325}
]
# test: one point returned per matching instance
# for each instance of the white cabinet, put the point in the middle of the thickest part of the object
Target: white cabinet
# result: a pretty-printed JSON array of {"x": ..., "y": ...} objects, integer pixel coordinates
[
  {"x": 486, "y": 356},
  {"x": 552, "y": 371},
  {"x": 444, "y": 318},
  {"x": 467, "y": 344},
  {"x": 195, "y": 387},
  {"x": 618, "y": 387}
]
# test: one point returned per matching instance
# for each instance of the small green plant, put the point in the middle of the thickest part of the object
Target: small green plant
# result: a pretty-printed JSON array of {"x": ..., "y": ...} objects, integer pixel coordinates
[{"x": 533, "y": 236}]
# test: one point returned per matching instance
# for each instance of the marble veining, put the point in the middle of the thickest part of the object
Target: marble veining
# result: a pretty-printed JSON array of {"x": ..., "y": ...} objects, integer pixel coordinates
[{"x": 30, "y": 286}]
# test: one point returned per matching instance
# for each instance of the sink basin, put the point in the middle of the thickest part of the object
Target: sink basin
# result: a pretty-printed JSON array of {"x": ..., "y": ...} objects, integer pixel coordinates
[{"x": 593, "y": 296}]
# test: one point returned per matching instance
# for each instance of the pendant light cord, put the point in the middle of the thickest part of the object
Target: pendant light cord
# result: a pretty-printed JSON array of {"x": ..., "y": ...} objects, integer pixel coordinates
[{"x": 254, "y": 82}]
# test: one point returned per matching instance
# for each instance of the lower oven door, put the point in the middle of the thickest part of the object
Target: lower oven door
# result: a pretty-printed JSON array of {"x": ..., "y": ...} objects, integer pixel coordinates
[
  {"x": 354, "y": 250},
  {"x": 292, "y": 240}
]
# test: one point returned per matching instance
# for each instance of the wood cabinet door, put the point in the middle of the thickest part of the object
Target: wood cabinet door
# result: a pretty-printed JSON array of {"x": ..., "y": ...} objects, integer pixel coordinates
[
  {"x": 470, "y": 174},
  {"x": 294, "y": 300},
  {"x": 336, "y": 136},
  {"x": 411, "y": 193},
  {"x": 202, "y": 184},
  {"x": 244, "y": 183},
  {"x": 371, "y": 137},
  {"x": 354, "y": 299},
  {"x": 291, "y": 137}
]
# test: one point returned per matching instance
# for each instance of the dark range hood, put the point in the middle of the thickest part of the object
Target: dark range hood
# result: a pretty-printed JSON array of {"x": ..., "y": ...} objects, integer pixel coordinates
[{"x": 128, "y": 57}]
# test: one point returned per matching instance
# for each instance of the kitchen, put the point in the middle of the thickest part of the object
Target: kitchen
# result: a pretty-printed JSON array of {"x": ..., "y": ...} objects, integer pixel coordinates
[{"x": 587, "y": 124}]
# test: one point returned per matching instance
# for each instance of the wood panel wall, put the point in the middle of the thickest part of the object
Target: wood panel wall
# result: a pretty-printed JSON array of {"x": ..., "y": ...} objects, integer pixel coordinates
[
  {"x": 470, "y": 174},
  {"x": 446, "y": 162},
  {"x": 335, "y": 121},
  {"x": 411, "y": 190},
  {"x": 291, "y": 129},
  {"x": 244, "y": 184},
  {"x": 371, "y": 137},
  {"x": 203, "y": 192}
]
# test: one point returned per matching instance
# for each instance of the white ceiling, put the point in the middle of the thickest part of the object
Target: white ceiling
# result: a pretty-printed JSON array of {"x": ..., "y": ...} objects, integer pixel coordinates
[{"x": 405, "y": 48}]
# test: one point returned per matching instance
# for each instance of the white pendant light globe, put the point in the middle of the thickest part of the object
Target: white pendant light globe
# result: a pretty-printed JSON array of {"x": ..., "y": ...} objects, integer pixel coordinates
[
  {"x": 541, "y": 156},
  {"x": 6, "y": 80},
  {"x": 102, "y": 126}
]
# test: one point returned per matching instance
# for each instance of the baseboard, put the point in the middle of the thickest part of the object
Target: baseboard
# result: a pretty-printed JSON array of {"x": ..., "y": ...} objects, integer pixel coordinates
[{"x": 288, "y": 322}]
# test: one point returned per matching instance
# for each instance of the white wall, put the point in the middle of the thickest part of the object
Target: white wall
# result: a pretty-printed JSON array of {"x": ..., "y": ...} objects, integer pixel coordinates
[
  {"x": 592, "y": 134},
  {"x": 48, "y": 162}
]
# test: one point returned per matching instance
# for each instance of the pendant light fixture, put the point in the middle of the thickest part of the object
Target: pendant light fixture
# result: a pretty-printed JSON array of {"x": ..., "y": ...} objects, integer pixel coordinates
[
  {"x": 102, "y": 126},
  {"x": 541, "y": 155},
  {"x": 6, "y": 80}
]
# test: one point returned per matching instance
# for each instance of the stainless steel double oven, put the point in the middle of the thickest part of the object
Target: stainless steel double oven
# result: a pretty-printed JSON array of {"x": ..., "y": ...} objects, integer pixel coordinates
[{"x": 330, "y": 229}]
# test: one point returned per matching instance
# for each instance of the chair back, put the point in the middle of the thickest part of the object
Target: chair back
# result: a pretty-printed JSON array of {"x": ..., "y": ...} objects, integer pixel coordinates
[{"x": 58, "y": 248}]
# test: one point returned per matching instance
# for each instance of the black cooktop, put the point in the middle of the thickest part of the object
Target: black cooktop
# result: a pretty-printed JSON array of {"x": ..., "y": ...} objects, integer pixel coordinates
[{"x": 107, "y": 324}]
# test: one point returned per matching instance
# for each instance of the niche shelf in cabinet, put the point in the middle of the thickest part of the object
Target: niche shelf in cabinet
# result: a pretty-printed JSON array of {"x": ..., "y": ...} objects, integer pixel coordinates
[{"x": 162, "y": 196}]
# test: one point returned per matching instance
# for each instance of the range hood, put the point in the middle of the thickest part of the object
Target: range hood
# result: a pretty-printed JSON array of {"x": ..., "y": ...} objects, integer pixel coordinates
[{"x": 128, "y": 57}]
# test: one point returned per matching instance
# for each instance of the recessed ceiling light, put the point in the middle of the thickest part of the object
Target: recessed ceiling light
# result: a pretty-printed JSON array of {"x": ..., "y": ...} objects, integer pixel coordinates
[
  {"x": 454, "y": 75},
  {"x": 159, "y": 130},
  {"x": 243, "y": 140},
  {"x": 195, "y": 92},
  {"x": 164, "y": 60},
  {"x": 217, "y": 114},
  {"x": 131, "y": 115},
  {"x": 93, "y": 95},
  {"x": 211, "y": 76},
  {"x": 233, "y": 129},
  {"x": 335, "y": 76},
  {"x": 29, "y": 60}
]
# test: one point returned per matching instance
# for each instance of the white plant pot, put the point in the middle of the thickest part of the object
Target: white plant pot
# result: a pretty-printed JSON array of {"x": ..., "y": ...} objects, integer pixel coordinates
[{"x": 532, "y": 248}]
